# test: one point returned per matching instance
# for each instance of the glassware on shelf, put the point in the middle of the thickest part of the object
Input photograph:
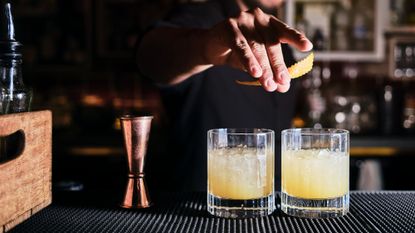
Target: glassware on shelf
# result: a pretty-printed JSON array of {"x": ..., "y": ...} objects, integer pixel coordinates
[
  {"x": 390, "y": 104},
  {"x": 341, "y": 30},
  {"x": 408, "y": 114},
  {"x": 315, "y": 100},
  {"x": 403, "y": 60},
  {"x": 351, "y": 104}
]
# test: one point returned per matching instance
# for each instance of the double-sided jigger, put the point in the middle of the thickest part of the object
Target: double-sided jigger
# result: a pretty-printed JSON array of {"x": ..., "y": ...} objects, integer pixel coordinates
[{"x": 136, "y": 132}]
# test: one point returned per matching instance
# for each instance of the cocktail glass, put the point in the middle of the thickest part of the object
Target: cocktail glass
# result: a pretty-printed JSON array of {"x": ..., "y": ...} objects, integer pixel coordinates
[
  {"x": 315, "y": 172},
  {"x": 241, "y": 172}
]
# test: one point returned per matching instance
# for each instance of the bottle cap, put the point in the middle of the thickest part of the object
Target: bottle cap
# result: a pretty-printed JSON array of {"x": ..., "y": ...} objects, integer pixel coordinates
[{"x": 9, "y": 47}]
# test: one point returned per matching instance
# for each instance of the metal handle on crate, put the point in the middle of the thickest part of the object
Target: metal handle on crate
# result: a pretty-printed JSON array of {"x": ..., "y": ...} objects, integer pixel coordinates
[{"x": 12, "y": 146}]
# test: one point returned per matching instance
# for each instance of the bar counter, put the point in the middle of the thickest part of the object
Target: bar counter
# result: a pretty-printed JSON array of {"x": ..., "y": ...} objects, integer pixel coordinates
[{"x": 381, "y": 211}]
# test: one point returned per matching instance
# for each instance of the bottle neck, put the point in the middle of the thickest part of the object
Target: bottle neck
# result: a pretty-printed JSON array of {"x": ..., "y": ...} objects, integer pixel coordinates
[{"x": 11, "y": 74}]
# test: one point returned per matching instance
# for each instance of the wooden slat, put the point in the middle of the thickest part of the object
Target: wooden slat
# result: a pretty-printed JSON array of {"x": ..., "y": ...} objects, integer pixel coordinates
[{"x": 17, "y": 220}]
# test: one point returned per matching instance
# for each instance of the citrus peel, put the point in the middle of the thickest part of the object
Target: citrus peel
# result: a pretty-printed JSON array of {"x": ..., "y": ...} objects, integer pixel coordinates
[{"x": 297, "y": 70}]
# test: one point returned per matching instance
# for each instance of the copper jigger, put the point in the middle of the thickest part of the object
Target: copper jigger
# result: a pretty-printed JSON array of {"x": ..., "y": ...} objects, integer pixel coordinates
[{"x": 136, "y": 132}]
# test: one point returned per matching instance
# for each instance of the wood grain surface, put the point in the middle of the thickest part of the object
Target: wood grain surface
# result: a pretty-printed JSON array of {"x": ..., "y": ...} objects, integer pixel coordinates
[{"x": 26, "y": 181}]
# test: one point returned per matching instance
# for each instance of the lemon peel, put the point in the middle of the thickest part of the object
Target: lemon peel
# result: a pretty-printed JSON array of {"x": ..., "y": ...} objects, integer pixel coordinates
[{"x": 297, "y": 70}]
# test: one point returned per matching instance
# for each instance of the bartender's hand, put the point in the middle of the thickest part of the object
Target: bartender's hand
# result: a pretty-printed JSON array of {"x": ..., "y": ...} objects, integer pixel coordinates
[{"x": 252, "y": 42}]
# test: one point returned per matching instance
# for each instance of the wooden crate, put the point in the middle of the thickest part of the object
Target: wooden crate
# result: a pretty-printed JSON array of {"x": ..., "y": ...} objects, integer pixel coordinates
[{"x": 26, "y": 181}]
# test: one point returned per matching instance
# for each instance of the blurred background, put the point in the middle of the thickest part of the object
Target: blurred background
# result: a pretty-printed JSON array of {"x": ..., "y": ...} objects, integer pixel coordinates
[{"x": 79, "y": 59}]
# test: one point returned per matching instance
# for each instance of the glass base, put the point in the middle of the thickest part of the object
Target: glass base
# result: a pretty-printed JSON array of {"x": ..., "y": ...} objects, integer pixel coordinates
[
  {"x": 230, "y": 208},
  {"x": 311, "y": 208}
]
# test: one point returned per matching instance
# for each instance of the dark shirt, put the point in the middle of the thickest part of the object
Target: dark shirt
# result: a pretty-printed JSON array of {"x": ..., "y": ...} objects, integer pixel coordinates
[{"x": 211, "y": 99}]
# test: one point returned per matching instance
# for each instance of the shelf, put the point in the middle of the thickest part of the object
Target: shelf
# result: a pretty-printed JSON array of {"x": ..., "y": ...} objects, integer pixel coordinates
[
  {"x": 318, "y": 14},
  {"x": 409, "y": 30},
  {"x": 381, "y": 146}
]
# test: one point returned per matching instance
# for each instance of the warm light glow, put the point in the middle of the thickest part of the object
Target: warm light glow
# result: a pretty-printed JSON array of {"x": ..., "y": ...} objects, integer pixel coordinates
[{"x": 93, "y": 100}]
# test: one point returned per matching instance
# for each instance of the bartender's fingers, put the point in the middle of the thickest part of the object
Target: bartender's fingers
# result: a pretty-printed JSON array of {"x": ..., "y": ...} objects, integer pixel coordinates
[
  {"x": 240, "y": 46},
  {"x": 257, "y": 45},
  {"x": 280, "y": 71},
  {"x": 286, "y": 34},
  {"x": 275, "y": 57},
  {"x": 283, "y": 87},
  {"x": 267, "y": 79}
]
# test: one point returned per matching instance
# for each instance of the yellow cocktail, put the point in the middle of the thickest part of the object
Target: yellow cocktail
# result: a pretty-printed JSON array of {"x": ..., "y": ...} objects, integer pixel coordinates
[
  {"x": 240, "y": 173},
  {"x": 315, "y": 174}
]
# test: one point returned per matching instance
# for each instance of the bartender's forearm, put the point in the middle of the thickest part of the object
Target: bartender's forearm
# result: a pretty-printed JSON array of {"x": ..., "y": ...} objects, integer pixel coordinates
[{"x": 171, "y": 55}]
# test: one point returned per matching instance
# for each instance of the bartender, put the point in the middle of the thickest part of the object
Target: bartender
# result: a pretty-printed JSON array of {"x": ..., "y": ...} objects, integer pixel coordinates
[{"x": 195, "y": 56}]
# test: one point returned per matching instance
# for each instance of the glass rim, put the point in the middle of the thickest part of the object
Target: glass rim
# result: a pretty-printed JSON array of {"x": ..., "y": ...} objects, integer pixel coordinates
[
  {"x": 136, "y": 117},
  {"x": 242, "y": 131},
  {"x": 313, "y": 131}
]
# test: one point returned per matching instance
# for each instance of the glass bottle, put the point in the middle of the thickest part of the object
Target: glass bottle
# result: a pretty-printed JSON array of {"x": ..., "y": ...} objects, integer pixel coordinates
[{"x": 15, "y": 96}]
